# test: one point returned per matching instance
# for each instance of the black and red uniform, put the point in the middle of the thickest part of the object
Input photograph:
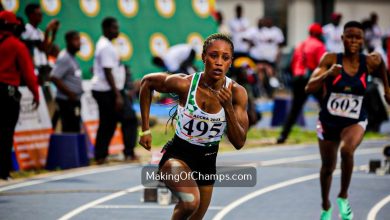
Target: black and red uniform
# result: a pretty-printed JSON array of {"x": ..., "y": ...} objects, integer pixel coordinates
[{"x": 343, "y": 104}]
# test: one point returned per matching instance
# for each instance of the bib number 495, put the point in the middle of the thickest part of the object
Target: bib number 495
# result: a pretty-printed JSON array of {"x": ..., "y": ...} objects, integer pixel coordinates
[{"x": 200, "y": 128}]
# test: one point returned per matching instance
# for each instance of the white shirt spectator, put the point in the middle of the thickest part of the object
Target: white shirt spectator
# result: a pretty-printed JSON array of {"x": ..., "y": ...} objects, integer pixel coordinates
[
  {"x": 332, "y": 35},
  {"x": 32, "y": 33},
  {"x": 238, "y": 27},
  {"x": 175, "y": 56},
  {"x": 266, "y": 43},
  {"x": 106, "y": 56},
  {"x": 374, "y": 38}
]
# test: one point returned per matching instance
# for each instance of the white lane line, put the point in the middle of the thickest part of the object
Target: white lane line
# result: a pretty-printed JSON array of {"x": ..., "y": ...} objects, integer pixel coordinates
[
  {"x": 145, "y": 207},
  {"x": 287, "y": 147},
  {"x": 270, "y": 188},
  {"x": 96, "y": 202},
  {"x": 121, "y": 193},
  {"x": 266, "y": 149},
  {"x": 119, "y": 167},
  {"x": 306, "y": 158},
  {"x": 374, "y": 211},
  {"x": 64, "y": 176},
  {"x": 254, "y": 194}
]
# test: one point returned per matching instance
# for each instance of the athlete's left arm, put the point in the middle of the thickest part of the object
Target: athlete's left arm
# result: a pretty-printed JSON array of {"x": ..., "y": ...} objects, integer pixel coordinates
[
  {"x": 376, "y": 64},
  {"x": 234, "y": 100}
]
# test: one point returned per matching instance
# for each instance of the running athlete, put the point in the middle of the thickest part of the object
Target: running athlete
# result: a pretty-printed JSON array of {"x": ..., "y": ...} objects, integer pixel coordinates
[
  {"x": 342, "y": 119},
  {"x": 209, "y": 104}
]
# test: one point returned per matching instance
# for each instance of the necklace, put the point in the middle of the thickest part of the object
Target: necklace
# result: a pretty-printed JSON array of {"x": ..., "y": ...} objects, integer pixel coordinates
[{"x": 211, "y": 89}]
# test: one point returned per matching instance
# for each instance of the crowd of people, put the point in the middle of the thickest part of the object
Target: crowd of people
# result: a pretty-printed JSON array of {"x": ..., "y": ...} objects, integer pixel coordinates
[
  {"x": 30, "y": 57},
  {"x": 262, "y": 72}
]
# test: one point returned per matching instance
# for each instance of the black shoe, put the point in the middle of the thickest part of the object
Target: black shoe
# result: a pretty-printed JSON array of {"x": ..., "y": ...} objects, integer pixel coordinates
[
  {"x": 281, "y": 140},
  {"x": 7, "y": 178},
  {"x": 101, "y": 161},
  {"x": 131, "y": 158}
]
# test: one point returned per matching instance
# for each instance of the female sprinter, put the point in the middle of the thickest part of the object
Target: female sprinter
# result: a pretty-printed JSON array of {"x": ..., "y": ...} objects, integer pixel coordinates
[
  {"x": 209, "y": 102},
  {"x": 342, "y": 119}
]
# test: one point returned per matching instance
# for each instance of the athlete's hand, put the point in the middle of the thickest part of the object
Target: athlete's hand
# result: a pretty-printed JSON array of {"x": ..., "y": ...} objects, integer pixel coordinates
[
  {"x": 225, "y": 96},
  {"x": 146, "y": 141},
  {"x": 335, "y": 70}
]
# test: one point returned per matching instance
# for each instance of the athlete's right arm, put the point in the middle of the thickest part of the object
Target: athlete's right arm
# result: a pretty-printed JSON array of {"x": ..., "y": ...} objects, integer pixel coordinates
[
  {"x": 160, "y": 82},
  {"x": 322, "y": 72}
]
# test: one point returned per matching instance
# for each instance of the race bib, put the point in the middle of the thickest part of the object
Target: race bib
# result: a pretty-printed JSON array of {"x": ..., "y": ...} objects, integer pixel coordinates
[
  {"x": 199, "y": 129},
  {"x": 345, "y": 105}
]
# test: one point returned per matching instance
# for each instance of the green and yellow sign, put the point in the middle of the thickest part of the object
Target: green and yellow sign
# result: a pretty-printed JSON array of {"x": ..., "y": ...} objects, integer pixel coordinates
[{"x": 148, "y": 27}]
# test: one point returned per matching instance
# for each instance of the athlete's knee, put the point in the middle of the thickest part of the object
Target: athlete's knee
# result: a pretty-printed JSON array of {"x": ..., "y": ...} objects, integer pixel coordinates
[
  {"x": 346, "y": 153},
  {"x": 328, "y": 168},
  {"x": 347, "y": 150},
  {"x": 189, "y": 208}
]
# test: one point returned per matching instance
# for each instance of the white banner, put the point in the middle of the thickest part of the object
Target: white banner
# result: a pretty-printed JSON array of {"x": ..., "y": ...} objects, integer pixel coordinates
[{"x": 32, "y": 132}]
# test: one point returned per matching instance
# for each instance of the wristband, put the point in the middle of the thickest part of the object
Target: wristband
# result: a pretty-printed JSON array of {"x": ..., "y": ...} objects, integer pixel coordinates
[{"x": 143, "y": 133}]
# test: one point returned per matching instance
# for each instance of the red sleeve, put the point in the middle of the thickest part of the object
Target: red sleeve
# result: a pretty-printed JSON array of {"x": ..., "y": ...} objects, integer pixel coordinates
[
  {"x": 26, "y": 69},
  {"x": 297, "y": 66}
]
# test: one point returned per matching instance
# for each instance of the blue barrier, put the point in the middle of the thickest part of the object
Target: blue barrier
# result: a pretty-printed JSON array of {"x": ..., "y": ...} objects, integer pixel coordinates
[
  {"x": 67, "y": 151},
  {"x": 15, "y": 164},
  {"x": 280, "y": 112}
]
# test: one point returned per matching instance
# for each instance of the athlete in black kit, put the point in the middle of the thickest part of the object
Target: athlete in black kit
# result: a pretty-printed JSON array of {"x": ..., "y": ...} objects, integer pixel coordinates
[{"x": 342, "y": 118}]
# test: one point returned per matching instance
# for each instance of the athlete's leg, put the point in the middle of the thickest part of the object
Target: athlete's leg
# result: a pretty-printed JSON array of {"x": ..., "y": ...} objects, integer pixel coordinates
[
  {"x": 187, "y": 190},
  {"x": 298, "y": 101},
  {"x": 328, "y": 151},
  {"x": 351, "y": 137},
  {"x": 205, "y": 198}
]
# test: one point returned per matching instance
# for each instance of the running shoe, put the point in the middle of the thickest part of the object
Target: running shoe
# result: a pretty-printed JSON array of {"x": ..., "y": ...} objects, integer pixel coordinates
[
  {"x": 344, "y": 209},
  {"x": 326, "y": 214}
]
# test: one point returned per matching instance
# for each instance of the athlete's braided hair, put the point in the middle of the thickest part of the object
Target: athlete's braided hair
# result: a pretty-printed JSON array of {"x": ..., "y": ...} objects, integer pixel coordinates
[{"x": 217, "y": 36}]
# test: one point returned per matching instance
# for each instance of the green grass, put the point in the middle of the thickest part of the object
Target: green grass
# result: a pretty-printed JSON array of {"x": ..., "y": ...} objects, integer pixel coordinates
[
  {"x": 255, "y": 137},
  {"x": 27, "y": 173}
]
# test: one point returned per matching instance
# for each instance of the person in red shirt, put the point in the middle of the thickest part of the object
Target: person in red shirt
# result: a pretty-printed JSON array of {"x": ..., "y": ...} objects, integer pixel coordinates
[
  {"x": 15, "y": 64},
  {"x": 306, "y": 57}
]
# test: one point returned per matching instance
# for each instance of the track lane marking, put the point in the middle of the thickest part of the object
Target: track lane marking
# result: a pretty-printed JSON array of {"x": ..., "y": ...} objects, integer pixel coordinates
[
  {"x": 375, "y": 210},
  {"x": 145, "y": 207},
  {"x": 64, "y": 176},
  {"x": 283, "y": 184},
  {"x": 96, "y": 202}
]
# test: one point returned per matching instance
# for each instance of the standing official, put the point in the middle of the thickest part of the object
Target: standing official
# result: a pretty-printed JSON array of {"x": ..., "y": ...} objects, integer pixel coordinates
[
  {"x": 15, "y": 64},
  {"x": 66, "y": 75},
  {"x": 108, "y": 85},
  {"x": 306, "y": 57}
]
